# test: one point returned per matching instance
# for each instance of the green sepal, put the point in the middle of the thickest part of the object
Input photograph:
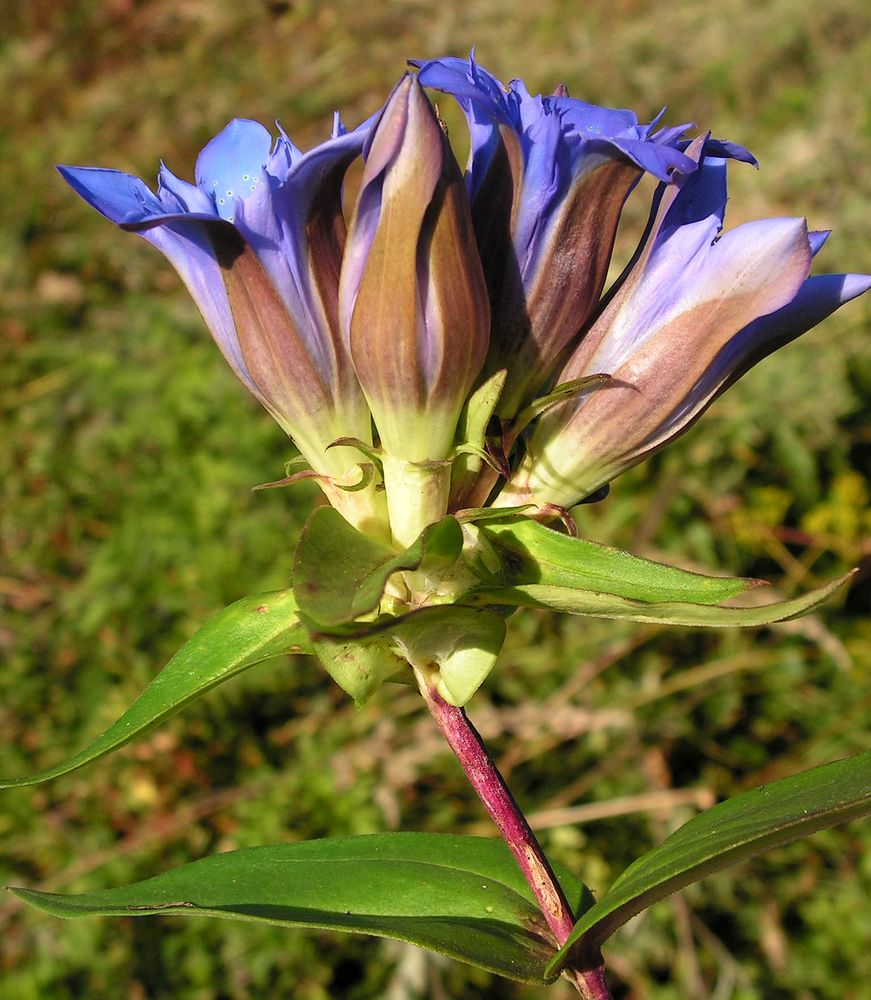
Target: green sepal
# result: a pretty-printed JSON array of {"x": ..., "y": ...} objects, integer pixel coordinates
[
  {"x": 461, "y": 643},
  {"x": 361, "y": 665},
  {"x": 333, "y": 562},
  {"x": 488, "y": 515},
  {"x": 340, "y": 574},
  {"x": 471, "y": 436},
  {"x": 247, "y": 632},
  {"x": 739, "y": 828},
  {"x": 367, "y": 477},
  {"x": 373, "y": 453},
  {"x": 559, "y": 394},
  {"x": 482, "y": 454},
  {"x": 530, "y": 553},
  {"x": 585, "y": 602},
  {"x": 463, "y": 897}
]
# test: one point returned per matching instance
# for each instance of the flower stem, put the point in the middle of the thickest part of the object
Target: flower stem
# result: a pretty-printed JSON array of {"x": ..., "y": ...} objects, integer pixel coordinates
[
  {"x": 417, "y": 495},
  {"x": 489, "y": 785}
]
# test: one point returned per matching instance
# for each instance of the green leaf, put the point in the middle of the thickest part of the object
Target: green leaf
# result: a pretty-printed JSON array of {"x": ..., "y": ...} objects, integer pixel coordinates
[
  {"x": 530, "y": 553},
  {"x": 462, "y": 643},
  {"x": 340, "y": 574},
  {"x": 732, "y": 831},
  {"x": 460, "y": 896},
  {"x": 584, "y": 602},
  {"x": 247, "y": 632}
]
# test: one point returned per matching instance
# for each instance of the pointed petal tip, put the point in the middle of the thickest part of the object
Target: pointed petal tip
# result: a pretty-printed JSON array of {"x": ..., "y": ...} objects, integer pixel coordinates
[
  {"x": 696, "y": 147},
  {"x": 855, "y": 285},
  {"x": 72, "y": 173},
  {"x": 122, "y": 198}
]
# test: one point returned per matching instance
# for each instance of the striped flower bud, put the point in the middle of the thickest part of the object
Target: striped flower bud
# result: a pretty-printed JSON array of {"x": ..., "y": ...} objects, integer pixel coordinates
[{"x": 412, "y": 301}]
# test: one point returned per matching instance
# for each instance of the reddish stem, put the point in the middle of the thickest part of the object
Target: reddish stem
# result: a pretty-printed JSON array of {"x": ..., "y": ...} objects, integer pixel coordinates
[{"x": 464, "y": 740}]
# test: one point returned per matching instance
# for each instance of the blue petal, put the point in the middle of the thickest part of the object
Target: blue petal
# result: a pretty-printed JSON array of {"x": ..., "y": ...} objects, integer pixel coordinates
[
  {"x": 671, "y": 136},
  {"x": 702, "y": 196},
  {"x": 120, "y": 197},
  {"x": 179, "y": 197},
  {"x": 817, "y": 298},
  {"x": 657, "y": 159},
  {"x": 309, "y": 168},
  {"x": 731, "y": 151},
  {"x": 283, "y": 156},
  {"x": 230, "y": 166},
  {"x": 591, "y": 121},
  {"x": 188, "y": 247},
  {"x": 466, "y": 81},
  {"x": 275, "y": 221},
  {"x": 128, "y": 201},
  {"x": 546, "y": 177},
  {"x": 817, "y": 239},
  {"x": 584, "y": 128},
  {"x": 181, "y": 236}
]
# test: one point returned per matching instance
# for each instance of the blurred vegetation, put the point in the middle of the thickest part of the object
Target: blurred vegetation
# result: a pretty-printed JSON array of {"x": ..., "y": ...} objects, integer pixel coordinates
[{"x": 128, "y": 452}]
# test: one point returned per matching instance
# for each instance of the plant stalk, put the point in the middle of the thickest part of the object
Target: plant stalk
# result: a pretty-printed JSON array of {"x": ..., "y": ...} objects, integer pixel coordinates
[
  {"x": 417, "y": 495},
  {"x": 489, "y": 785}
]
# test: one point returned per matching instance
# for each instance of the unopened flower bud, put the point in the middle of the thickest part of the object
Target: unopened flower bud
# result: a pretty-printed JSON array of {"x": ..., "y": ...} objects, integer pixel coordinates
[{"x": 412, "y": 298}]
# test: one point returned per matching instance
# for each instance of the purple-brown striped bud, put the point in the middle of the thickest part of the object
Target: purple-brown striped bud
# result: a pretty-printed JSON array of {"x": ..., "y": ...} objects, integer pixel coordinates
[{"x": 412, "y": 298}]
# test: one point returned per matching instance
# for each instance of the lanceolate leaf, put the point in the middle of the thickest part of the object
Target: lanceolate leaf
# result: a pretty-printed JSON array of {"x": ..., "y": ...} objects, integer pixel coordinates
[
  {"x": 461, "y": 896},
  {"x": 247, "y": 632},
  {"x": 585, "y": 602},
  {"x": 736, "y": 829},
  {"x": 340, "y": 574},
  {"x": 530, "y": 553}
]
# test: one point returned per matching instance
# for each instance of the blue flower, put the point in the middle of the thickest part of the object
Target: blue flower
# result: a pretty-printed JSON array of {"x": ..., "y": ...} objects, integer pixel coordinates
[
  {"x": 446, "y": 282},
  {"x": 258, "y": 241}
]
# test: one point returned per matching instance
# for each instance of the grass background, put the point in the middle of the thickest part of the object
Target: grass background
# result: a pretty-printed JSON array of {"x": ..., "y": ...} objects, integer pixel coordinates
[{"x": 128, "y": 451}]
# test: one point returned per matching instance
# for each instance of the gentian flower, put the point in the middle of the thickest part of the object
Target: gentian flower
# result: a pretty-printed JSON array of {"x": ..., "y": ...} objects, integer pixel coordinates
[
  {"x": 547, "y": 178},
  {"x": 413, "y": 303},
  {"x": 441, "y": 282},
  {"x": 258, "y": 242},
  {"x": 691, "y": 313}
]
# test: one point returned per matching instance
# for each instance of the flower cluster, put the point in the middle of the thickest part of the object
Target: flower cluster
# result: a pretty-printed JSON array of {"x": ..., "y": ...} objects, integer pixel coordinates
[{"x": 453, "y": 344}]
